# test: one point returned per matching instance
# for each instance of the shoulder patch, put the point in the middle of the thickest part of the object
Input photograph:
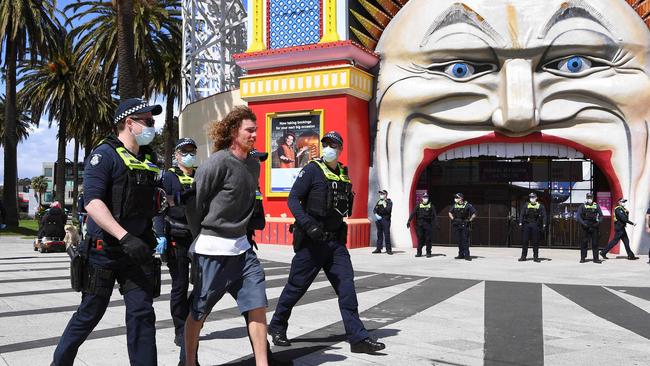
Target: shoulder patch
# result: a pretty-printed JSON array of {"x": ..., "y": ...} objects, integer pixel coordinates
[
  {"x": 302, "y": 172},
  {"x": 95, "y": 159}
]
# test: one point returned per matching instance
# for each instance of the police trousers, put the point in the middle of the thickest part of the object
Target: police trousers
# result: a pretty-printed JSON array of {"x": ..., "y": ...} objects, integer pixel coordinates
[
  {"x": 424, "y": 233},
  {"x": 619, "y": 235},
  {"x": 179, "y": 269},
  {"x": 333, "y": 257},
  {"x": 589, "y": 233},
  {"x": 383, "y": 234},
  {"x": 531, "y": 233},
  {"x": 461, "y": 235},
  {"x": 137, "y": 288}
]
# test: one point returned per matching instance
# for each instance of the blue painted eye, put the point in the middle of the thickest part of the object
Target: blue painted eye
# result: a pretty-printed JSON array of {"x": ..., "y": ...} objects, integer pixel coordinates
[
  {"x": 460, "y": 70},
  {"x": 574, "y": 64}
]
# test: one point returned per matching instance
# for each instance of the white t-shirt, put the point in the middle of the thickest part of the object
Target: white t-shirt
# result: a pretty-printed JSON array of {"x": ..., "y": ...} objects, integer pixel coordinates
[{"x": 215, "y": 245}]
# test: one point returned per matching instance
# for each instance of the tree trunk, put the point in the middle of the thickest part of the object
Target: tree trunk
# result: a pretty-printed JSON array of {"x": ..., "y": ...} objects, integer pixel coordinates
[
  {"x": 127, "y": 70},
  {"x": 169, "y": 131},
  {"x": 88, "y": 144},
  {"x": 75, "y": 176},
  {"x": 9, "y": 192},
  {"x": 59, "y": 175}
]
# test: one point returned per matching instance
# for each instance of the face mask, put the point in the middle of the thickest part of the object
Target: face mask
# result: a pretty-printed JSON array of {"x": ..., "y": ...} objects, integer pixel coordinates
[
  {"x": 590, "y": 201},
  {"x": 623, "y": 204},
  {"x": 533, "y": 200},
  {"x": 330, "y": 154},
  {"x": 146, "y": 136},
  {"x": 425, "y": 200},
  {"x": 382, "y": 196},
  {"x": 188, "y": 161},
  {"x": 457, "y": 200}
]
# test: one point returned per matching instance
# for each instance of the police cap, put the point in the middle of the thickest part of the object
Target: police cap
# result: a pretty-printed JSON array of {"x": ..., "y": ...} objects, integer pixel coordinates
[
  {"x": 590, "y": 195},
  {"x": 333, "y": 136},
  {"x": 185, "y": 141},
  {"x": 131, "y": 106},
  {"x": 532, "y": 195},
  {"x": 459, "y": 195}
]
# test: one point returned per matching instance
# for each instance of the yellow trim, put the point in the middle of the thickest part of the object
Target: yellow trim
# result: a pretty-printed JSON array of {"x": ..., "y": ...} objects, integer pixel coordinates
[
  {"x": 269, "y": 162},
  {"x": 345, "y": 79},
  {"x": 329, "y": 23},
  {"x": 257, "y": 42}
]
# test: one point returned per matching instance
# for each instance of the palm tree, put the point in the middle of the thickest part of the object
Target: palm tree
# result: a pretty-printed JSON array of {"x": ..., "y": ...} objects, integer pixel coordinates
[
  {"x": 57, "y": 86},
  {"x": 26, "y": 29},
  {"x": 23, "y": 122},
  {"x": 39, "y": 184},
  {"x": 116, "y": 35}
]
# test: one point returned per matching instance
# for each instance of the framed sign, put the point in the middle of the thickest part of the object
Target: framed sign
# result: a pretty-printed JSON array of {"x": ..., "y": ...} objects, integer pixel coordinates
[{"x": 292, "y": 139}]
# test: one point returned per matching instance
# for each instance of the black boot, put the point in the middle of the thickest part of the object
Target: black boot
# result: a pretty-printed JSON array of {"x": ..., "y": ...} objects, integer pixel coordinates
[
  {"x": 522, "y": 259},
  {"x": 279, "y": 338},
  {"x": 367, "y": 345},
  {"x": 603, "y": 254},
  {"x": 429, "y": 255},
  {"x": 596, "y": 260},
  {"x": 418, "y": 255},
  {"x": 582, "y": 260},
  {"x": 376, "y": 251}
]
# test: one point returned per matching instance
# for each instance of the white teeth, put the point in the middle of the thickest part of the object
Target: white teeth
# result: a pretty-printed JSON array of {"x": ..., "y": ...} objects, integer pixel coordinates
[{"x": 517, "y": 150}]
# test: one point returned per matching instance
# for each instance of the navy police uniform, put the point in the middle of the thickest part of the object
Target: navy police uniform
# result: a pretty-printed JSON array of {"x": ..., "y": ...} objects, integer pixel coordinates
[
  {"x": 589, "y": 216},
  {"x": 461, "y": 214},
  {"x": 126, "y": 183},
  {"x": 308, "y": 202},
  {"x": 621, "y": 219},
  {"x": 533, "y": 218},
  {"x": 425, "y": 218},
  {"x": 173, "y": 225},
  {"x": 383, "y": 209}
]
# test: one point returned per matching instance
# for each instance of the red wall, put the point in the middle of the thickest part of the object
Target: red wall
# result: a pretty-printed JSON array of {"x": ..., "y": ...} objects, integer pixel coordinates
[{"x": 346, "y": 114}]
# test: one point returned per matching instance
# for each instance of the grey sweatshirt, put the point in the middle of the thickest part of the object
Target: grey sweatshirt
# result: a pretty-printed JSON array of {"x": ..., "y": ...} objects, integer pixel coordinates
[{"x": 225, "y": 193}]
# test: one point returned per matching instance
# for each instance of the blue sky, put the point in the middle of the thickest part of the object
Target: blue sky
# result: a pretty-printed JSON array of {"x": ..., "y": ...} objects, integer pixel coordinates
[{"x": 41, "y": 145}]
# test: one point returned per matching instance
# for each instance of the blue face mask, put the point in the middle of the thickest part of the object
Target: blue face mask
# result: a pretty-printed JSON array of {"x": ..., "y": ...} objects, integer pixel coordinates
[
  {"x": 188, "y": 161},
  {"x": 146, "y": 136},
  {"x": 330, "y": 154}
]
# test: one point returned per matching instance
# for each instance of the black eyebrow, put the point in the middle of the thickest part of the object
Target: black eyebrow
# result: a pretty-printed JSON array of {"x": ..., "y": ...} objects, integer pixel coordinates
[
  {"x": 575, "y": 9},
  {"x": 462, "y": 14}
]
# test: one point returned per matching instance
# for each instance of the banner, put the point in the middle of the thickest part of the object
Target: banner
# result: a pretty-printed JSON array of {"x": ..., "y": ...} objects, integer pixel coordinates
[{"x": 293, "y": 139}]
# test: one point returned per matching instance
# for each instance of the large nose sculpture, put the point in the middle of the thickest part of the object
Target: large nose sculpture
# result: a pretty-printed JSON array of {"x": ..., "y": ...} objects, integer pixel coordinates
[{"x": 516, "y": 110}]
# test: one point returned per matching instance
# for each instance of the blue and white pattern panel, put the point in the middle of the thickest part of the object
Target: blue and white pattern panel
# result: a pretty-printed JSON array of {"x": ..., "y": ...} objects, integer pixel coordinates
[{"x": 294, "y": 23}]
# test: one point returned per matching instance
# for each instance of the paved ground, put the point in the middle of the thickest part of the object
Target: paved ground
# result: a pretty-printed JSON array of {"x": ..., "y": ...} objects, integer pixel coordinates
[{"x": 436, "y": 311}]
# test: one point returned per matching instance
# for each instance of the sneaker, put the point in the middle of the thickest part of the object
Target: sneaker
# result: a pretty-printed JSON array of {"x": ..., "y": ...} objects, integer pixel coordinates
[
  {"x": 367, "y": 345},
  {"x": 603, "y": 254},
  {"x": 376, "y": 251},
  {"x": 522, "y": 259},
  {"x": 279, "y": 338}
]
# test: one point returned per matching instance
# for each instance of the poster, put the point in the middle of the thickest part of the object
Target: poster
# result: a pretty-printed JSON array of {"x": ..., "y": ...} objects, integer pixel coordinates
[
  {"x": 293, "y": 139},
  {"x": 604, "y": 200}
]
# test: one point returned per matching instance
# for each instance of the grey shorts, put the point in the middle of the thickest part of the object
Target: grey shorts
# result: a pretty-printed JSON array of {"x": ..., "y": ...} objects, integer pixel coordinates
[{"x": 241, "y": 275}]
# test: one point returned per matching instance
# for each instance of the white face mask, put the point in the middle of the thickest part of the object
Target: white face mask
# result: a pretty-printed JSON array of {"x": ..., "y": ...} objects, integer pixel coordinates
[
  {"x": 590, "y": 201},
  {"x": 533, "y": 200},
  {"x": 188, "y": 161},
  {"x": 457, "y": 200},
  {"x": 623, "y": 204},
  {"x": 382, "y": 196},
  {"x": 146, "y": 136},
  {"x": 425, "y": 200},
  {"x": 330, "y": 154}
]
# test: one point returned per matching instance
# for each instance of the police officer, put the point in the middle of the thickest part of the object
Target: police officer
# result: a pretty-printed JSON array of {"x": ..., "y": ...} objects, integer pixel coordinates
[
  {"x": 120, "y": 183},
  {"x": 382, "y": 212},
  {"x": 462, "y": 214},
  {"x": 319, "y": 200},
  {"x": 425, "y": 217},
  {"x": 589, "y": 216},
  {"x": 621, "y": 219},
  {"x": 533, "y": 217},
  {"x": 173, "y": 233}
]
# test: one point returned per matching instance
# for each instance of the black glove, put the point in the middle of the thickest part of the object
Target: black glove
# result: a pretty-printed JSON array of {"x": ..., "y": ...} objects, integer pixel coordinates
[
  {"x": 135, "y": 248},
  {"x": 315, "y": 233}
]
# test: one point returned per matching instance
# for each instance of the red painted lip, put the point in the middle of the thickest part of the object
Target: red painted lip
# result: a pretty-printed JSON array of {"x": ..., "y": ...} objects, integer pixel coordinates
[{"x": 602, "y": 158}]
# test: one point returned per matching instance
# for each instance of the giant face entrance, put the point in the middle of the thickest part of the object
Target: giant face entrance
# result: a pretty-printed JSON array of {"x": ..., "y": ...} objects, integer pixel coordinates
[{"x": 499, "y": 187}]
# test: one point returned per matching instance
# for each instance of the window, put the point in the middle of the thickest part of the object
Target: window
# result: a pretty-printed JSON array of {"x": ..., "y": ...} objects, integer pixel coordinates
[{"x": 47, "y": 172}]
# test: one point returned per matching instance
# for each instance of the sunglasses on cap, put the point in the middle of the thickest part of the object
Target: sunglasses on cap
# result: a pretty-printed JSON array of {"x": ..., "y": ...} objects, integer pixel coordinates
[{"x": 149, "y": 122}]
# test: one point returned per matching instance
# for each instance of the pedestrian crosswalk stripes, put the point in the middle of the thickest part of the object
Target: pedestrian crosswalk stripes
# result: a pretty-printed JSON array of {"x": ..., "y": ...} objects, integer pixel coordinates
[{"x": 515, "y": 315}]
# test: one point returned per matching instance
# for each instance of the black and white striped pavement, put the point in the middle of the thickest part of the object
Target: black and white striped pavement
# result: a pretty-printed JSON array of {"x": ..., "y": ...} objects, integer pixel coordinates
[{"x": 423, "y": 320}]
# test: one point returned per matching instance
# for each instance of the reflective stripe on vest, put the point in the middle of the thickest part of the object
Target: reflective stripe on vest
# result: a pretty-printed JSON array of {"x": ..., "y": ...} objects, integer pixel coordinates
[
  {"x": 258, "y": 195},
  {"x": 132, "y": 163},
  {"x": 427, "y": 206},
  {"x": 616, "y": 208},
  {"x": 457, "y": 205},
  {"x": 342, "y": 177},
  {"x": 185, "y": 179},
  {"x": 534, "y": 206}
]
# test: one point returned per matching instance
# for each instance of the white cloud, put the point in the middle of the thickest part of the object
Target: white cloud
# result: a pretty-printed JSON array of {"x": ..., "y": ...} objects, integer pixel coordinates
[{"x": 39, "y": 147}]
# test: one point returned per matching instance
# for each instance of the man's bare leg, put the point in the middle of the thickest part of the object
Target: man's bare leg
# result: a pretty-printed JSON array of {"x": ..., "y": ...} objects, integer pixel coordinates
[
  {"x": 192, "y": 332},
  {"x": 257, "y": 331}
]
